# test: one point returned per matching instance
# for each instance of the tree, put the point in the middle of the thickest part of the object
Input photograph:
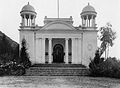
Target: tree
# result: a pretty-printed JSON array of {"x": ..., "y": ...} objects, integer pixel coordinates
[
  {"x": 24, "y": 58},
  {"x": 97, "y": 58},
  {"x": 16, "y": 53},
  {"x": 5, "y": 46},
  {"x": 6, "y": 51},
  {"x": 107, "y": 36}
]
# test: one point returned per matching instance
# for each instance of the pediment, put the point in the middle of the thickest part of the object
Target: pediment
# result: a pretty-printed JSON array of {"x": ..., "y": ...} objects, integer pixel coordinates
[{"x": 58, "y": 25}]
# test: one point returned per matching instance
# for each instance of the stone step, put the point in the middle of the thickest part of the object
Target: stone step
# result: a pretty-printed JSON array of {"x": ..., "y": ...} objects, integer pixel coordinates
[
  {"x": 56, "y": 71},
  {"x": 58, "y": 65}
]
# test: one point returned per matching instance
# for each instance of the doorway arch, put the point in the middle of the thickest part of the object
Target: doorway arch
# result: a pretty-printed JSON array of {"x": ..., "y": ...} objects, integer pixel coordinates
[{"x": 58, "y": 54}]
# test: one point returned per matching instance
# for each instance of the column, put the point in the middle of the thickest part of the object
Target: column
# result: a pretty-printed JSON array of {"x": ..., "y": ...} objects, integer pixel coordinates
[
  {"x": 87, "y": 21},
  {"x": 50, "y": 50},
  {"x": 27, "y": 23},
  {"x": 24, "y": 20},
  {"x": 81, "y": 47},
  {"x": 76, "y": 50},
  {"x": 92, "y": 21},
  {"x": 43, "y": 50},
  {"x": 66, "y": 50},
  {"x": 34, "y": 20},
  {"x": 73, "y": 50},
  {"x": 79, "y": 51},
  {"x": 29, "y": 20},
  {"x": 82, "y": 21}
]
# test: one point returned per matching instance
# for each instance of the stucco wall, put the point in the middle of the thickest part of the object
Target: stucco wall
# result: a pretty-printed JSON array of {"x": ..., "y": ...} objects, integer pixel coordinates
[
  {"x": 85, "y": 47},
  {"x": 89, "y": 46},
  {"x": 30, "y": 42}
]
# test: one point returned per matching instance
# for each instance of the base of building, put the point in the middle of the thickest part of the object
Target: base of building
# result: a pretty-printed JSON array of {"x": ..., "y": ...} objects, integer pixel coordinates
[{"x": 57, "y": 70}]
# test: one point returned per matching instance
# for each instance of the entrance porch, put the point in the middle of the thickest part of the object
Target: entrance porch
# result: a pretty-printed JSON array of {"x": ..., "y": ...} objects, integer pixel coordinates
[{"x": 58, "y": 50}]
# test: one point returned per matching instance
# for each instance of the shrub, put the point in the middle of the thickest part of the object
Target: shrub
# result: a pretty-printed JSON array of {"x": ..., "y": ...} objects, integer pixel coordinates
[
  {"x": 94, "y": 69},
  {"x": 17, "y": 69},
  {"x": 24, "y": 55},
  {"x": 96, "y": 59},
  {"x": 11, "y": 68},
  {"x": 6, "y": 57},
  {"x": 108, "y": 68}
]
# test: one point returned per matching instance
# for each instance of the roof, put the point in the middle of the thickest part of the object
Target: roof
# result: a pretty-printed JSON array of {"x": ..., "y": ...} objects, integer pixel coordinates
[
  {"x": 88, "y": 8},
  {"x": 28, "y": 7}
]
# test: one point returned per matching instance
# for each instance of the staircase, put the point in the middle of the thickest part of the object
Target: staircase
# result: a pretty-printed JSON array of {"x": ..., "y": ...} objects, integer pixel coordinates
[{"x": 57, "y": 70}]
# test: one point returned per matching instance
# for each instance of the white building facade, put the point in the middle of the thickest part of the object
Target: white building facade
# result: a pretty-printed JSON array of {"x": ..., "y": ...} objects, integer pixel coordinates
[{"x": 58, "y": 41}]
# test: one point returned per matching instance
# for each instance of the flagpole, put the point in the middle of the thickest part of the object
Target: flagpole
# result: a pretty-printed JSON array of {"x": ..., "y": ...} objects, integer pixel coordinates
[{"x": 58, "y": 8}]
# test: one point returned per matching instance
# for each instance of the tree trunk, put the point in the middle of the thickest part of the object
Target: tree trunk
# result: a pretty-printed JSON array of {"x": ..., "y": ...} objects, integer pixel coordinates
[{"x": 106, "y": 52}]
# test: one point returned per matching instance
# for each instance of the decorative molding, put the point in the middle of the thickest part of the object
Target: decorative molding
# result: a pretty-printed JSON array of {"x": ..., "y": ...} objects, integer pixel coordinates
[
  {"x": 70, "y": 26},
  {"x": 90, "y": 47}
]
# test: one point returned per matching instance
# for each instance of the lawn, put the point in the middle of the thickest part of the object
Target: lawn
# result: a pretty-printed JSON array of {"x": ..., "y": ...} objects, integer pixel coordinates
[{"x": 58, "y": 82}]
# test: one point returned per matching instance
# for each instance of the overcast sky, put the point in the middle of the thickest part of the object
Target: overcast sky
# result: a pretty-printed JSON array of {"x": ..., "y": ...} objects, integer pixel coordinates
[{"x": 107, "y": 11}]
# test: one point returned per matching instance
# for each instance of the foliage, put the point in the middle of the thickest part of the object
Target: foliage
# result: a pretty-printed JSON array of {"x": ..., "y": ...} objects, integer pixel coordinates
[
  {"x": 24, "y": 58},
  {"x": 97, "y": 59},
  {"x": 107, "y": 68},
  {"x": 16, "y": 54},
  {"x": 107, "y": 37},
  {"x": 7, "y": 52},
  {"x": 9, "y": 56},
  {"x": 11, "y": 68},
  {"x": 4, "y": 58},
  {"x": 94, "y": 70},
  {"x": 110, "y": 68},
  {"x": 5, "y": 46}
]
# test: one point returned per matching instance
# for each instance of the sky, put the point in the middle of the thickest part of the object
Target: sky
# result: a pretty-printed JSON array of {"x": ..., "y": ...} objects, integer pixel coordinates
[{"x": 107, "y": 11}]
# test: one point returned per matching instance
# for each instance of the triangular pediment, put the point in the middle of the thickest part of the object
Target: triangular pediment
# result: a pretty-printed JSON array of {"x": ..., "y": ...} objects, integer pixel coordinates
[{"x": 58, "y": 25}]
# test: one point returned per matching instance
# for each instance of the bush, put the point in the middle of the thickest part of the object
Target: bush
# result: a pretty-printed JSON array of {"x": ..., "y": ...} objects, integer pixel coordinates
[
  {"x": 6, "y": 57},
  {"x": 94, "y": 69},
  {"x": 24, "y": 55},
  {"x": 12, "y": 64},
  {"x": 11, "y": 68},
  {"x": 17, "y": 69},
  {"x": 108, "y": 68}
]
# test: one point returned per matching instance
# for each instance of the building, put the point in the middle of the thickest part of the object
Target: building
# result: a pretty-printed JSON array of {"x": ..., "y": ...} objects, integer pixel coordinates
[{"x": 58, "y": 41}]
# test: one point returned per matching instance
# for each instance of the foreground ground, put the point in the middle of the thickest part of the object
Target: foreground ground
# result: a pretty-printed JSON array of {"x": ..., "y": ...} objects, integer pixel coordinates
[{"x": 58, "y": 82}]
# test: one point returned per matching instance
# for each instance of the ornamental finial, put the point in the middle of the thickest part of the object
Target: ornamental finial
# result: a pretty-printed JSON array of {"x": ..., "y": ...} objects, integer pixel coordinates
[{"x": 88, "y": 3}]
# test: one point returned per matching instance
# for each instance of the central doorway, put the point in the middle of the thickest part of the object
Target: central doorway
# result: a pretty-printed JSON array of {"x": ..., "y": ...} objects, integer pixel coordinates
[{"x": 58, "y": 54}]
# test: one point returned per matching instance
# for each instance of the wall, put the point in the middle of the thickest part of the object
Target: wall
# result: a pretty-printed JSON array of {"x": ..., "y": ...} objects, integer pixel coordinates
[
  {"x": 30, "y": 42},
  {"x": 89, "y": 46},
  {"x": 85, "y": 46}
]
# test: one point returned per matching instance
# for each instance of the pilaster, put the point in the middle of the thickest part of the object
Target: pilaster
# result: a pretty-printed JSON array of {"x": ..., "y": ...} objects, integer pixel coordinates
[
  {"x": 39, "y": 50},
  {"x": 43, "y": 50}
]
